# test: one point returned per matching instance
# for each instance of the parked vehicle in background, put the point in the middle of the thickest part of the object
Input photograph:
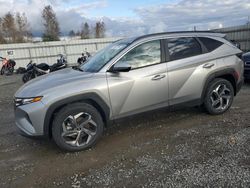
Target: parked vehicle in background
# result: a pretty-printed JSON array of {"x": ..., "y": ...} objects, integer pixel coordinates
[
  {"x": 21, "y": 70},
  {"x": 237, "y": 44},
  {"x": 7, "y": 66},
  {"x": 34, "y": 70},
  {"x": 61, "y": 63},
  {"x": 81, "y": 60},
  {"x": 127, "y": 77},
  {"x": 246, "y": 59}
]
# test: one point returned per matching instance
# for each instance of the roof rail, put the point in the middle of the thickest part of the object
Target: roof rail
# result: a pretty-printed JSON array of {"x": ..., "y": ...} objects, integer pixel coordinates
[{"x": 175, "y": 32}]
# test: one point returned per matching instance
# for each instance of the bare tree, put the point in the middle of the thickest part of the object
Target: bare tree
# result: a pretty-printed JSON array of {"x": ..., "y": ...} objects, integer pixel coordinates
[
  {"x": 23, "y": 30},
  {"x": 52, "y": 30},
  {"x": 85, "y": 33},
  {"x": 9, "y": 28},
  {"x": 2, "y": 39},
  {"x": 99, "y": 29}
]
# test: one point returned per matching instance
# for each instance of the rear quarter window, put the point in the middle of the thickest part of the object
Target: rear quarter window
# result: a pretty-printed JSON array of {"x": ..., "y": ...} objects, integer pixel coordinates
[{"x": 210, "y": 44}]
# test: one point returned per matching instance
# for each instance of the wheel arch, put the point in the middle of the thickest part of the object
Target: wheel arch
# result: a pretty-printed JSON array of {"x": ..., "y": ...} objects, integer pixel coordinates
[
  {"x": 227, "y": 74},
  {"x": 90, "y": 98}
]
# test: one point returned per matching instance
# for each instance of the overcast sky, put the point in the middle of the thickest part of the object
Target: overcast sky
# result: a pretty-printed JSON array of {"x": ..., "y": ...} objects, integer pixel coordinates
[{"x": 135, "y": 17}]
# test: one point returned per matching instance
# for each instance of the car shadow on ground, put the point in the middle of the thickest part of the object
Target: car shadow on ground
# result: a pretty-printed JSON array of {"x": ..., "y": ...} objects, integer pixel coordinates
[{"x": 146, "y": 120}]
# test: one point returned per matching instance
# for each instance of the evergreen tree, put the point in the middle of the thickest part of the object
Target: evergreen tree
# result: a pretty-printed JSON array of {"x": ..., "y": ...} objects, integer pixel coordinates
[{"x": 85, "y": 33}]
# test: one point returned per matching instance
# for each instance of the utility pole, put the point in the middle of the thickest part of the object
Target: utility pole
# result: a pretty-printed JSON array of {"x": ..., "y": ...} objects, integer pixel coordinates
[{"x": 194, "y": 28}]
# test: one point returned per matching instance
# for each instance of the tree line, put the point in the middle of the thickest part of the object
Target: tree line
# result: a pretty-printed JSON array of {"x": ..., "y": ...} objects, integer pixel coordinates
[
  {"x": 87, "y": 32},
  {"x": 15, "y": 28}
]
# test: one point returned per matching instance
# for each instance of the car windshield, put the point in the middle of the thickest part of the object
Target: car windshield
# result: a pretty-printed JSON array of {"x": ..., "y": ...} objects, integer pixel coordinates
[{"x": 101, "y": 58}]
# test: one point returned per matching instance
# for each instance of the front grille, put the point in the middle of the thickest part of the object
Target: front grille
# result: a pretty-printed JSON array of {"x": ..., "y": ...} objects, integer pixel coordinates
[{"x": 247, "y": 63}]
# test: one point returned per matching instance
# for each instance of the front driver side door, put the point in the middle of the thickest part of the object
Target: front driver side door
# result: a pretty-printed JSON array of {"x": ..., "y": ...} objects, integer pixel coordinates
[{"x": 145, "y": 86}]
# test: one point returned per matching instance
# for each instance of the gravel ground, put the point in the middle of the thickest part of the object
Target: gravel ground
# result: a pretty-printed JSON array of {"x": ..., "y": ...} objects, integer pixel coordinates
[{"x": 181, "y": 148}]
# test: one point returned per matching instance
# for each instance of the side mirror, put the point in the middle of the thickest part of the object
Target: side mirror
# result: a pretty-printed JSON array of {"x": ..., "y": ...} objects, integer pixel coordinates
[{"x": 120, "y": 67}]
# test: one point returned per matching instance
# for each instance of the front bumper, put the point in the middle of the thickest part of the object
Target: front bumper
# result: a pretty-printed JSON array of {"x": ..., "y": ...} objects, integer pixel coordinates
[
  {"x": 30, "y": 118},
  {"x": 239, "y": 85},
  {"x": 247, "y": 73}
]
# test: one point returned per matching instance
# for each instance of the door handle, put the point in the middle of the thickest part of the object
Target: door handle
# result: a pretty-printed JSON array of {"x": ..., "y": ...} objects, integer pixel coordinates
[
  {"x": 208, "y": 65},
  {"x": 159, "y": 76}
]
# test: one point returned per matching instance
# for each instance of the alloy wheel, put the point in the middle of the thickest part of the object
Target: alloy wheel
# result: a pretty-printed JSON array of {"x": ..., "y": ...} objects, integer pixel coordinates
[
  {"x": 220, "y": 97},
  {"x": 79, "y": 129}
]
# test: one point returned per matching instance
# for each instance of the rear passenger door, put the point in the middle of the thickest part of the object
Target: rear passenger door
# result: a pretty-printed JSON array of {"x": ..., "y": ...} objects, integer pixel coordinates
[{"x": 186, "y": 72}]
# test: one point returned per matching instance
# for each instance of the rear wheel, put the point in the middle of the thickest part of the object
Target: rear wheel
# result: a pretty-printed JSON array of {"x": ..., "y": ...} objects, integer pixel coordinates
[
  {"x": 77, "y": 127},
  {"x": 219, "y": 96},
  {"x": 11, "y": 70}
]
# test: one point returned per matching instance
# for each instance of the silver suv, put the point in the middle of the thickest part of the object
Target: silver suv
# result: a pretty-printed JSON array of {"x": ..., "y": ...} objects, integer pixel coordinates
[{"x": 130, "y": 76}]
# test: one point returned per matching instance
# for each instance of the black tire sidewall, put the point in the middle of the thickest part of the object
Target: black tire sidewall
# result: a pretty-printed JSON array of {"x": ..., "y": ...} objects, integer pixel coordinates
[
  {"x": 210, "y": 88},
  {"x": 73, "y": 109},
  {"x": 25, "y": 78}
]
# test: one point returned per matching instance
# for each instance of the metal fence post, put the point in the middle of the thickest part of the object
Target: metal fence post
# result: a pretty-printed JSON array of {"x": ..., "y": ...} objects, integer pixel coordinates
[
  {"x": 29, "y": 53},
  {"x": 65, "y": 51},
  {"x": 96, "y": 47}
]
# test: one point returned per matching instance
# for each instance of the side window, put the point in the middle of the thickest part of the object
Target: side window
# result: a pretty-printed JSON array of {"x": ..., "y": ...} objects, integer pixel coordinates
[
  {"x": 143, "y": 55},
  {"x": 184, "y": 47},
  {"x": 210, "y": 44}
]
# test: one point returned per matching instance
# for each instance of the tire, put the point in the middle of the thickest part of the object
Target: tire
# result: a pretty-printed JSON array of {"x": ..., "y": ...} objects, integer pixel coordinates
[
  {"x": 64, "y": 120},
  {"x": 27, "y": 77},
  {"x": 219, "y": 96},
  {"x": 11, "y": 70}
]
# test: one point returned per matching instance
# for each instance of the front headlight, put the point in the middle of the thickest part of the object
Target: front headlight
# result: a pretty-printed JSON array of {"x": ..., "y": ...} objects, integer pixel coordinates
[{"x": 23, "y": 101}]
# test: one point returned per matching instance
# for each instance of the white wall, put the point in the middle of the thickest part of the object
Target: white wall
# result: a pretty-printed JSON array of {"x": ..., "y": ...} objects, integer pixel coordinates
[{"x": 48, "y": 51}]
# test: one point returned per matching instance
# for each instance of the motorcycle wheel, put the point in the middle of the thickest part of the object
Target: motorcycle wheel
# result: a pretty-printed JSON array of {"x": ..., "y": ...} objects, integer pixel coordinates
[
  {"x": 11, "y": 70},
  {"x": 27, "y": 76},
  {"x": 2, "y": 70}
]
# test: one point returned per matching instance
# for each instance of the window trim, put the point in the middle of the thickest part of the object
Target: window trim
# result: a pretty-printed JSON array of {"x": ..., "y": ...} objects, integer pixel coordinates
[
  {"x": 207, "y": 51},
  {"x": 202, "y": 47},
  {"x": 162, "y": 56}
]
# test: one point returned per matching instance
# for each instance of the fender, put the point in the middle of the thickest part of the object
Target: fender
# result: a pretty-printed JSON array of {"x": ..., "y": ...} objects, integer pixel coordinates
[
  {"x": 218, "y": 74},
  {"x": 99, "y": 103}
]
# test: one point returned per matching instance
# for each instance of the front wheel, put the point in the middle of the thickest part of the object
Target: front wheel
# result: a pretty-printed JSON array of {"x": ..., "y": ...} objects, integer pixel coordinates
[
  {"x": 27, "y": 76},
  {"x": 77, "y": 127},
  {"x": 3, "y": 70},
  {"x": 219, "y": 96}
]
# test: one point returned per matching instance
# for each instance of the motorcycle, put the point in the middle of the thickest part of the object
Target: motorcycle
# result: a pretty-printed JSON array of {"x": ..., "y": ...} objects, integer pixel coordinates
[
  {"x": 81, "y": 60},
  {"x": 34, "y": 70},
  {"x": 7, "y": 66}
]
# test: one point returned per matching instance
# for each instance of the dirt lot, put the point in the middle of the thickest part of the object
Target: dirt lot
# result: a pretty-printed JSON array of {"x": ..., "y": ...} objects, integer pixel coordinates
[{"x": 183, "y": 148}]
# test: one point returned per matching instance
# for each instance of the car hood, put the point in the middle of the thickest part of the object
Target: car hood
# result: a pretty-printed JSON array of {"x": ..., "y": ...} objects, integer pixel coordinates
[
  {"x": 246, "y": 56},
  {"x": 40, "y": 84}
]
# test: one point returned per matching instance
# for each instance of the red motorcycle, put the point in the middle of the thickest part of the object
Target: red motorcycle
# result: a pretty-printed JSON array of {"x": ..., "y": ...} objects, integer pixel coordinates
[{"x": 7, "y": 66}]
